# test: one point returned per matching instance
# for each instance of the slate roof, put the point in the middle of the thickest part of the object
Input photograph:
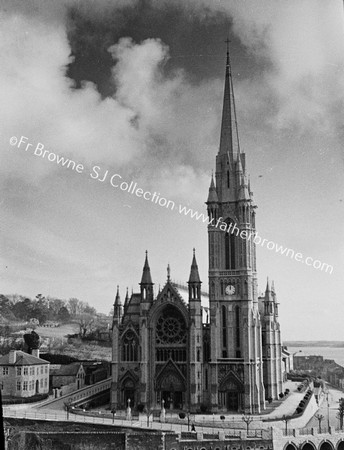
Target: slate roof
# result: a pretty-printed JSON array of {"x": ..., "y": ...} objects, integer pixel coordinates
[
  {"x": 66, "y": 370},
  {"x": 132, "y": 311},
  {"x": 22, "y": 359}
]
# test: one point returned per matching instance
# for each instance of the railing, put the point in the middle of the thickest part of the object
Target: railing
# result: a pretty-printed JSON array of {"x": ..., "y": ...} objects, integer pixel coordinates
[
  {"x": 290, "y": 432},
  {"x": 233, "y": 434},
  {"x": 305, "y": 431}
]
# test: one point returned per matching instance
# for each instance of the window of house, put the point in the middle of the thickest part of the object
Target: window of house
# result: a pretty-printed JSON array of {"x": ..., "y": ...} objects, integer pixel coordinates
[
  {"x": 46, "y": 382},
  {"x": 32, "y": 371},
  {"x": 26, "y": 371},
  {"x": 41, "y": 370},
  {"x": 46, "y": 369},
  {"x": 41, "y": 382},
  {"x": 37, "y": 370},
  {"x": 18, "y": 385},
  {"x": 25, "y": 386},
  {"x": 5, "y": 370},
  {"x": 19, "y": 371}
]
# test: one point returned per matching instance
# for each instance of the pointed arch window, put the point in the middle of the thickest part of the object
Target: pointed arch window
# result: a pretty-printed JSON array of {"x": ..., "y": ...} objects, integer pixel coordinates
[
  {"x": 237, "y": 327},
  {"x": 129, "y": 347},
  {"x": 230, "y": 248},
  {"x": 224, "y": 331}
]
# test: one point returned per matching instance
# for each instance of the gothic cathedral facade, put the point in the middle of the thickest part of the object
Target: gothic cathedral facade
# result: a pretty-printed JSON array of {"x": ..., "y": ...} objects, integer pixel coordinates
[{"x": 168, "y": 351}]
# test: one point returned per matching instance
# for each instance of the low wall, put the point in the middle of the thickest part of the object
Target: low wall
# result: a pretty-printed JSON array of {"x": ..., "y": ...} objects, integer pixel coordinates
[{"x": 79, "y": 395}]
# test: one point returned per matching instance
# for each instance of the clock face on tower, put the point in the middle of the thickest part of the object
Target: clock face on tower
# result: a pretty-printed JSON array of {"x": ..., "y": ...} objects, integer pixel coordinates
[{"x": 230, "y": 289}]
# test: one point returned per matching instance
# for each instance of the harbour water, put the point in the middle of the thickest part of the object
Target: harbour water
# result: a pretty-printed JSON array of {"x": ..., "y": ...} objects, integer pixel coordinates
[{"x": 336, "y": 353}]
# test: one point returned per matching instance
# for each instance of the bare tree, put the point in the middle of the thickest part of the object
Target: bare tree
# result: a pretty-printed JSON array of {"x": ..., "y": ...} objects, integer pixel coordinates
[
  {"x": 74, "y": 306},
  {"x": 319, "y": 417},
  {"x": 247, "y": 420},
  {"x": 85, "y": 322}
]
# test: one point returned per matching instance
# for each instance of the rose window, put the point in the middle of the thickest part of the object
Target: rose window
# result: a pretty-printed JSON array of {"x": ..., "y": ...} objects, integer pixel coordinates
[{"x": 170, "y": 328}]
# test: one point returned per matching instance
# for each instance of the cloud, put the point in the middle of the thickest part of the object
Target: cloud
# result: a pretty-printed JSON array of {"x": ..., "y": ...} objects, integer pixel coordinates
[
  {"x": 151, "y": 117},
  {"x": 302, "y": 47}
]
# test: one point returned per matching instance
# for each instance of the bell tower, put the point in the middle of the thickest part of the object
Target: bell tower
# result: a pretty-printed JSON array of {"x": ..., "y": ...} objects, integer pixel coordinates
[{"x": 235, "y": 329}]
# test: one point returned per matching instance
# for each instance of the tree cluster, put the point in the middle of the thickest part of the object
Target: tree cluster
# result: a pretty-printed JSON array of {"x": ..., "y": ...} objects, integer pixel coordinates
[{"x": 43, "y": 309}]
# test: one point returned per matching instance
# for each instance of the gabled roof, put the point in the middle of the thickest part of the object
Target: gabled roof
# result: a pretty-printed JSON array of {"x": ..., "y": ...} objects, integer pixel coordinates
[
  {"x": 22, "y": 359},
  {"x": 67, "y": 370}
]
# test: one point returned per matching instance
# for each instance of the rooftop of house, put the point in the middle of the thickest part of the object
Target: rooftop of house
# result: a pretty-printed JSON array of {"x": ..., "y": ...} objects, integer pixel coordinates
[{"x": 20, "y": 358}]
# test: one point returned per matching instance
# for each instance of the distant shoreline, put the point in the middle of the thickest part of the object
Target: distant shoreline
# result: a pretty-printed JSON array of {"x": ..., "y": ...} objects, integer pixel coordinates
[{"x": 333, "y": 344}]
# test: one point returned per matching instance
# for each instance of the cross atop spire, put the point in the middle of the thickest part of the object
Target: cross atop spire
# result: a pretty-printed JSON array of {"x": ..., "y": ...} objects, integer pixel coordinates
[
  {"x": 168, "y": 273},
  {"x": 227, "y": 42}
]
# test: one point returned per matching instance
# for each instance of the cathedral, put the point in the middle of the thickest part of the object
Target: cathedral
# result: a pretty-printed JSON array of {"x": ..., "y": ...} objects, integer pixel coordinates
[{"x": 170, "y": 352}]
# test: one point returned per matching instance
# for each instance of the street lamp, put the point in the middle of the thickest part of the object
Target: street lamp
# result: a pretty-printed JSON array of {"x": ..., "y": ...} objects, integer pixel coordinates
[
  {"x": 285, "y": 420},
  {"x": 113, "y": 412}
]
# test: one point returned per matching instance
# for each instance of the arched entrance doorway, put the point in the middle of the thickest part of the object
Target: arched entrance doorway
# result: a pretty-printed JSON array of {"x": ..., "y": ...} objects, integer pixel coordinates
[
  {"x": 128, "y": 392},
  {"x": 171, "y": 357},
  {"x": 171, "y": 389},
  {"x": 230, "y": 393}
]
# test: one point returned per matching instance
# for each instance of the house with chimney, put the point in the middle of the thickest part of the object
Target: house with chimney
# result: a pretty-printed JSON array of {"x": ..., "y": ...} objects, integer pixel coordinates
[{"x": 23, "y": 374}]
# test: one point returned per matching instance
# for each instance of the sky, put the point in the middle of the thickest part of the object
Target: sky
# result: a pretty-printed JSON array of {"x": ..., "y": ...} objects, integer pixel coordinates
[{"x": 135, "y": 88}]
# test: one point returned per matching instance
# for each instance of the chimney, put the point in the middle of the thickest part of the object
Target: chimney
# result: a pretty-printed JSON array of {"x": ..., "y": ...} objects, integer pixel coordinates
[
  {"x": 35, "y": 352},
  {"x": 12, "y": 357}
]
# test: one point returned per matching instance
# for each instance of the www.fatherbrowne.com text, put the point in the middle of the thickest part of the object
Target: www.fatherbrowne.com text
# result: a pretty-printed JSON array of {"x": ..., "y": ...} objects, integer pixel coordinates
[{"x": 116, "y": 181}]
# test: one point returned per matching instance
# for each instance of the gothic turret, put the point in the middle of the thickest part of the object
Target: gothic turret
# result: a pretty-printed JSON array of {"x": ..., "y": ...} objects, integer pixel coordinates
[
  {"x": 194, "y": 280},
  {"x": 126, "y": 301},
  {"x": 146, "y": 283},
  {"x": 195, "y": 345},
  {"x": 268, "y": 300},
  {"x": 274, "y": 296},
  {"x": 117, "y": 306}
]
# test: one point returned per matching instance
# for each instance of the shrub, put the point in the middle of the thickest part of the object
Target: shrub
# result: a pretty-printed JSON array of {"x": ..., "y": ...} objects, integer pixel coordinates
[
  {"x": 182, "y": 415},
  {"x": 270, "y": 399},
  {"x": 140, "y": 407},
  {"x": 281, "y": 395},
  {"x": 204, "y": 408}
]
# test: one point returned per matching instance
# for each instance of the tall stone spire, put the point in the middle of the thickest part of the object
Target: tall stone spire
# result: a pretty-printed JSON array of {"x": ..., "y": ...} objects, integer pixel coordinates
[{"x": 226, "y": 139}]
